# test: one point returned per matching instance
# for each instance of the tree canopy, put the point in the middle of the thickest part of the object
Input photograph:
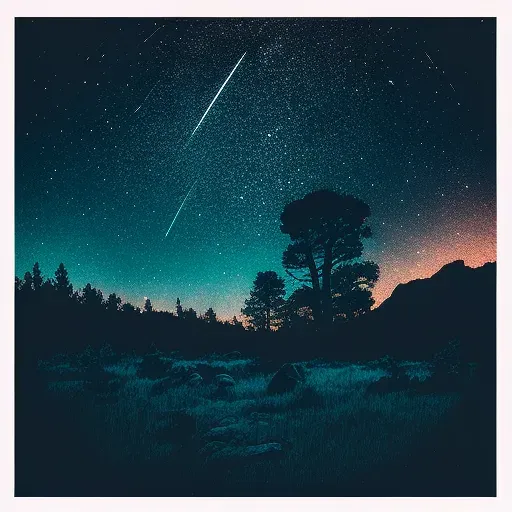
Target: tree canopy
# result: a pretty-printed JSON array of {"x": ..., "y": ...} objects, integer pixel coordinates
[{"x": 326, "y": 231}]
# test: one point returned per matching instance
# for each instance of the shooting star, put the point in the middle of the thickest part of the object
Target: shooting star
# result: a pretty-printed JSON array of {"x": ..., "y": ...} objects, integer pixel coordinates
[
  {"x": 192, "y": 134},
  {"x": 216, "y": 96},
  {"x": 153, "y": 33},
  {"x": 453, "y": 88},
  {"x": 179, "y": 210},
  {"x": 147, "y": 96}
]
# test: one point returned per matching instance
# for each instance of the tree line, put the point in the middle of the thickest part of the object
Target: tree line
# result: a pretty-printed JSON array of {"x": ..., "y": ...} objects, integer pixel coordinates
[
  {"x": 59, "y": 289},
  {"x": 326, "y": 231}
]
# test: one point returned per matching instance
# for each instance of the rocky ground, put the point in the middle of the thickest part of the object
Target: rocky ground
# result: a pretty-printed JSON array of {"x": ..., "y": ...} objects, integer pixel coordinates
[{"x": 97, "y": 424}]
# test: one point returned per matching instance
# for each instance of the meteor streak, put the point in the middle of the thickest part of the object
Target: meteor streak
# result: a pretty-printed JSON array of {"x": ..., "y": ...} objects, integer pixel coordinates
[
  {"x": 179, "y": 210},
  {"x": 154, "y": 33},
  {"x": 216, "y": 96},
  {"x": 147, "y": 96},
  {"x": 192, "y": 134}
]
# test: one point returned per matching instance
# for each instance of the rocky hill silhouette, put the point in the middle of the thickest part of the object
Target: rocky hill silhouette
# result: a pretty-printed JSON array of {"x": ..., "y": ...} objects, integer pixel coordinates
[{"x": 421, "y": 316}]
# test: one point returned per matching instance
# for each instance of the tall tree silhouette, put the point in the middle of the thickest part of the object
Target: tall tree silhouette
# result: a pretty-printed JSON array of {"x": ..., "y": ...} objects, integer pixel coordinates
[
  {"x": 190, "y": 314},
  {"x": 179, "y": 308},
  {"x": 61, "y": 282},
  {"x": 91, "y": 297},
  {"x": 210, "y": 316},
  {"x": 148, "y": 307},
  {"x": 27, "y": 284},
  {"x": 236, "y": 322},
  {"x": 37, "y": 278},
  {"x": 263, "y": 308},
  {"x": 113, "y": 302},
  {"x": 128, "y": 308},
  {"x": 327, "y": 230}
]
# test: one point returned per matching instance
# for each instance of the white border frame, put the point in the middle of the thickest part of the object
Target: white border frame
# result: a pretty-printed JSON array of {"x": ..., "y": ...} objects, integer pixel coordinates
[{"x": 10, "y": 9}]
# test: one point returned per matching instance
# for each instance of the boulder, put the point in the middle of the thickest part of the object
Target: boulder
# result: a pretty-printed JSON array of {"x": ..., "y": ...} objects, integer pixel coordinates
[
  {"x": 194, "y": 380},
  {"x": 224, "y": 380},
  {"x": 301, "y": 372},
  {"x": 212, "y": 447},
  {"x": 233, "y": 432},
  {"x": 228, "y": 420},
  {"x": 285, "y": 379}
]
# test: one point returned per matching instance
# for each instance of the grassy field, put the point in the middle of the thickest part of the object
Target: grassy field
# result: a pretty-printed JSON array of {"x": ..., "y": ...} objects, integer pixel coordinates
[{"x": 133, "y": 436}]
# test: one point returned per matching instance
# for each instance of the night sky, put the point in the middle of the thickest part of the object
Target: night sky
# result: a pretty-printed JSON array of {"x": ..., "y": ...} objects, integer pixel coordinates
[{"x": 399, "y": 112}]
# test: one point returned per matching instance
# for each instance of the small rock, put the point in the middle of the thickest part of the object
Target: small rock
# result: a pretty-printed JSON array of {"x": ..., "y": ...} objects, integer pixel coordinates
[
  {"x": 228, "y": 420},
  {"x": 223, "y": 380},
  {"x": 194, "y": 380},
  {"x": 233, "y": 432},
  {"x": 285, "y": 379},
  {"x": 212, "y": 447}
]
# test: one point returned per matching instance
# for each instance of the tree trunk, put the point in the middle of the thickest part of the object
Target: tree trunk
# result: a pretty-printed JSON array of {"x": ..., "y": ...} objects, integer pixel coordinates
[
  {"x": 316, "y": 306},
  {"x": 326, "y": 286}
]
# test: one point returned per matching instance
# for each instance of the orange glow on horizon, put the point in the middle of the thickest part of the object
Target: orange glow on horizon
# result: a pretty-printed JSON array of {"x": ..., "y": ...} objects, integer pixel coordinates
[{"x": 476, "y": 245}]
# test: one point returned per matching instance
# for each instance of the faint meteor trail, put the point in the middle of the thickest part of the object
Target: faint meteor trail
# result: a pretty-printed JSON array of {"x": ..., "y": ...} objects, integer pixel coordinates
[
  {"x": 179, "y": 210},
  {"x": 154, "y": 33},
  {"x": 147, "y": 96},
  {"x": 453, "y": 88},
  {"x": 192, "y": 134},
  {"x": 216, "y": 96}
]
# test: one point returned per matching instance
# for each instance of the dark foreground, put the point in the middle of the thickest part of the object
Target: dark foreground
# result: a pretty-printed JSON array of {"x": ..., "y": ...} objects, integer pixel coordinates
[{"x": 104, "y": 428}]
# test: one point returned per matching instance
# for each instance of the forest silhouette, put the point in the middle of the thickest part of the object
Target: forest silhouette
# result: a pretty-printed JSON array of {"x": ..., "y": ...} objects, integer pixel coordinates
[
  {"x": 333, "y": 303},
  {"x": 293, "y": 356},
  {"x": 326, "y": 231}
]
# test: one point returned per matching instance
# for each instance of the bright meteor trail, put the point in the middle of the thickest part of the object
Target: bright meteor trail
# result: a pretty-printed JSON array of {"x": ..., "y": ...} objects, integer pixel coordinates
[
  {"x": 192, "y": 134},
  {"x": 216, "y": 96}
]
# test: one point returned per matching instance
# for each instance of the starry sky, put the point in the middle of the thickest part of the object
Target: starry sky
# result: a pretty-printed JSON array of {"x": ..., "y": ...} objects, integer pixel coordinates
[{"x": 399, "y": 112}]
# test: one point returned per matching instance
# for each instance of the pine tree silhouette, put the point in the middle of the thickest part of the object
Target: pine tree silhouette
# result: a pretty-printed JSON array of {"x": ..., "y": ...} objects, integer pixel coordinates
[
  {"x": 179, "y": 308},
  {"x": 61, "y": 283},
  {"x": 37, "y": 278}
]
